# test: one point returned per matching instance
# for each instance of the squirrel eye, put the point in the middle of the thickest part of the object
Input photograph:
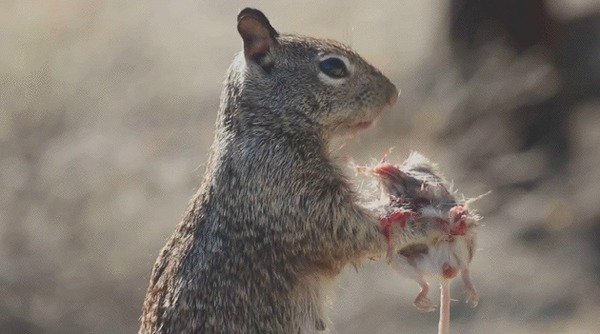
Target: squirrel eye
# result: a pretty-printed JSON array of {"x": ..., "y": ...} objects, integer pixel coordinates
[{"x": 334, "y": 67}]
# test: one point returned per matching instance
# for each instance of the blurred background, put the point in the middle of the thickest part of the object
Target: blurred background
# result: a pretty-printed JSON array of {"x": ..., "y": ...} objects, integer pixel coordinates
[{"x": 107, "y": 109}]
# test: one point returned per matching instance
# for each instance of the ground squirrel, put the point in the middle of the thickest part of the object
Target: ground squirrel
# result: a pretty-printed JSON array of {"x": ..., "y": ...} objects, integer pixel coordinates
[{"x": 275, "y": 219}]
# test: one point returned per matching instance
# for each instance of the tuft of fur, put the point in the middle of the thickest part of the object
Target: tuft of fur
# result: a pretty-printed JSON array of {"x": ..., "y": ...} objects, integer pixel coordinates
[{"x": 275, "y": 219}]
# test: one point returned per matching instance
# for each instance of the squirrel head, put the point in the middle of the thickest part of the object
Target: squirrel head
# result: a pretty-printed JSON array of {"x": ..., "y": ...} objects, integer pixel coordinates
[{"x": 319, "y": 82}]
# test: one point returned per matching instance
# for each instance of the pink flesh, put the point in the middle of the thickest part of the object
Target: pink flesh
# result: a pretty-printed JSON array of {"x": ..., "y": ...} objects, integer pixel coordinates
[
  {"x": 384, "y": 169},
  {"x": 387, "y": 222},
  {"x": 448, "y": 271},
  {"x": 444, "y": 324}
]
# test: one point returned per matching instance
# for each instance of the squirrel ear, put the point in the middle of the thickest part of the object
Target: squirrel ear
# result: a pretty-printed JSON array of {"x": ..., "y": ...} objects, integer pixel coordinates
[{"x": 257, "y": 33}]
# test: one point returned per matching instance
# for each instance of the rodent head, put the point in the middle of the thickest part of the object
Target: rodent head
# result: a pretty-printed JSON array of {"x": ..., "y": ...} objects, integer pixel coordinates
[{"x": 322, "y": 82}]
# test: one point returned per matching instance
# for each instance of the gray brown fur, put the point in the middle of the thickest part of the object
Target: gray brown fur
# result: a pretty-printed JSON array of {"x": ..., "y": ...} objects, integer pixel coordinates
[{"x": 275, "y": 219}]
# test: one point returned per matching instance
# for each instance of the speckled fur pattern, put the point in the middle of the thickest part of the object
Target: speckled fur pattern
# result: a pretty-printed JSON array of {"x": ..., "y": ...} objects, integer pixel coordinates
[{"x": 275, "y": 219}]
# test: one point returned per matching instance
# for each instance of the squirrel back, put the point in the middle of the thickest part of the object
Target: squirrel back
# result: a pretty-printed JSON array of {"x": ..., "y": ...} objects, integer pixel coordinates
[{"x": 275, "y": 219}]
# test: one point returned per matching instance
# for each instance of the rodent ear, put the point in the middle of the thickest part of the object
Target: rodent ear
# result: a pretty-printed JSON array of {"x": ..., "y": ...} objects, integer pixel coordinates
[{"x": 257, "y": 33}]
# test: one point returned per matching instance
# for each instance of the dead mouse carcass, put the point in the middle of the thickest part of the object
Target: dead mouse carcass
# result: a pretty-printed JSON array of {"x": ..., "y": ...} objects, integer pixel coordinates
[{"x": 418, "y": 197}]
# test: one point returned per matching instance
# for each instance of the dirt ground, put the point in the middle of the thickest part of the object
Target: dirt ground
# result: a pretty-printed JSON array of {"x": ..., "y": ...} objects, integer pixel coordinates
[{"x": 107, "y": 110}]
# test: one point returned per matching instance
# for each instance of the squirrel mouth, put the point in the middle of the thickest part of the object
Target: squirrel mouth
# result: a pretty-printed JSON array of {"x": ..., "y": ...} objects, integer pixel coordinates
[
  {"x": 365, "y": 124},
  {"x": 360, "y": 126}
]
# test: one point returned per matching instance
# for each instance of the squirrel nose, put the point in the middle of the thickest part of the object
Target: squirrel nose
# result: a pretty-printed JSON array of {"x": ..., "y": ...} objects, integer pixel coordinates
[{"x": 394, "y": 93}]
